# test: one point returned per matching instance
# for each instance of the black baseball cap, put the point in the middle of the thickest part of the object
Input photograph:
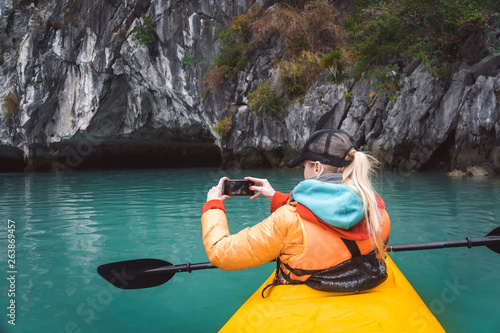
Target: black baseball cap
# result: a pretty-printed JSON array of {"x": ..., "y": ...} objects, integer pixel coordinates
[{"x": 328, "y": 146}]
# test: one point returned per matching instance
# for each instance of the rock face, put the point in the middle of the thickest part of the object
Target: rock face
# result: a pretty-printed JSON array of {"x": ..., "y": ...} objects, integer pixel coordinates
[
  {"x": 427, "y": 124},
  {"x": 495, "y": 156},
  {"x": 90, "y": 96},
  {"x": 83, "y": 80}
]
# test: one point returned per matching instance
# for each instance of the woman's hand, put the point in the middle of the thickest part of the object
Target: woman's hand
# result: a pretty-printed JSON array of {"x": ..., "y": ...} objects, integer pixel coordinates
[
  {"x": 264, "y": 188},
  {"x": 216, "y": 193}
]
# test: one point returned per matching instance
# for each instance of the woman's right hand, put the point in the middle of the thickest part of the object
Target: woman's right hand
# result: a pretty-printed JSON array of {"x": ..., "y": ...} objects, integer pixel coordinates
[
  {"x": 216, "y": 193},
  {"x": 264, "y": 188}
]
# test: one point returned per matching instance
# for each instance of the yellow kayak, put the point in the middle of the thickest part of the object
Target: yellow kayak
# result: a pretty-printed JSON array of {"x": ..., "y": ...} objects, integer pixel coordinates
[{"x": 393, "y": 306}]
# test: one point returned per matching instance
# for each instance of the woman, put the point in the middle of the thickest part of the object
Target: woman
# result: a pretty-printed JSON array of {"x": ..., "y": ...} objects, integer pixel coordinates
[{"x": 329, "y": 233}]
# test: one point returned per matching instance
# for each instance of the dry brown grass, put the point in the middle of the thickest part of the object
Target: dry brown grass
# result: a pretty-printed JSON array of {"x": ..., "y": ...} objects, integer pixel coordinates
[
  {"x": 317, "y": 28},
  {"x": 214, "y": 79},
  {"x": 71, "y": 19},
  {"x": 318, "y": 25},
  {"x": 122, "y": 33},
  {"x": 11, "y": 104},
  {"x": 262, "y": 30},
  {"x": 309, "y": 30},
  {"x": 57, "y": 24}
]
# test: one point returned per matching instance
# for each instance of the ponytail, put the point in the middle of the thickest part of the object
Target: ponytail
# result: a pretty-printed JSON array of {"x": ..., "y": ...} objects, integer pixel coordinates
[{"x": 357, "y": 176}]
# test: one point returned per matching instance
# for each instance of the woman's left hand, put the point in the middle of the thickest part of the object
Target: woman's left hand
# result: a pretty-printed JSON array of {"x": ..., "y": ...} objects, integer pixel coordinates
[{"x": 216, "y": 193}]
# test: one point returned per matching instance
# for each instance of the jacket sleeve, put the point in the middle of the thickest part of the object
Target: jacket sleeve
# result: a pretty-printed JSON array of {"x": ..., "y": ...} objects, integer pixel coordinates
[
  {"x": 279, "y": 199},
  {"x": 248, "y": 248}
]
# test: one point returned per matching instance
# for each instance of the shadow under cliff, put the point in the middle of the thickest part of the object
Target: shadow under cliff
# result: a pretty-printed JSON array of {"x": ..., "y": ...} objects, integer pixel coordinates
[
  {"x": 121, "y": 154},
  {"x": 11, "y": 159}
]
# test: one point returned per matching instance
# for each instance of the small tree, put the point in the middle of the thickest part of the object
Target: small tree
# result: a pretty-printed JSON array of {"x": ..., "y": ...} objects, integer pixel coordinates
[{"x": 145, "y": 33}]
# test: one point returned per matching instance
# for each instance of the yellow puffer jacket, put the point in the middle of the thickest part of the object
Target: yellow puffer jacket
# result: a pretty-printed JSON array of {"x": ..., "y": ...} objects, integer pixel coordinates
[{"x": 279, "y": 235}]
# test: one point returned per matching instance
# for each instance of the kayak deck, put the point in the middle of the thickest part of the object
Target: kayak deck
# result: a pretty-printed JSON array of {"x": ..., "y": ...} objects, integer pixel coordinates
[{"x": 393, "y": 306}]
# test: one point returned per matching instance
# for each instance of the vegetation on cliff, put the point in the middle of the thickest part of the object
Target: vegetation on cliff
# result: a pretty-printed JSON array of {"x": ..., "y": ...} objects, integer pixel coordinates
[
  {"x": 306, "y": 29},
  {"x": 264, "y": 98},
  {"x": 145, "y": 33},
  {"x": 434, "y": 32},
  {"x": 375, "y": 37},
  {"x": 11, "y": 104}
]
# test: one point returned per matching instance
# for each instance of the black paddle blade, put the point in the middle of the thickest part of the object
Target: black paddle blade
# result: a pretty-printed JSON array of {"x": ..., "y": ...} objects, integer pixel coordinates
[
  {"x": 496, "y": 246},
  {"x": 132, "y": 274}
]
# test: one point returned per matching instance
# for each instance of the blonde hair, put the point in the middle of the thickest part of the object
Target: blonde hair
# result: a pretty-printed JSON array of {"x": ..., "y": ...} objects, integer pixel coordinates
[{"x": 357, "y": 175}]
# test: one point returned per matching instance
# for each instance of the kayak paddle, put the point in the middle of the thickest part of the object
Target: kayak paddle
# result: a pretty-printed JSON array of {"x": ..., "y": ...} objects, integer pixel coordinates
[
  {"x": 491, "y": 241},
  {"x": 146, "y": 273}
]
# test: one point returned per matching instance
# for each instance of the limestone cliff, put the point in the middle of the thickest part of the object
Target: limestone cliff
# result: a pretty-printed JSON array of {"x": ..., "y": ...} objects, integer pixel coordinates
[{"x": 90, "y": 94}]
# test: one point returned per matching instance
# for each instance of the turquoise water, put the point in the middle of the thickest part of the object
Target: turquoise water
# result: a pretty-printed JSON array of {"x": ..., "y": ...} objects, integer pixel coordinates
[{"x": 68, "y": 224}]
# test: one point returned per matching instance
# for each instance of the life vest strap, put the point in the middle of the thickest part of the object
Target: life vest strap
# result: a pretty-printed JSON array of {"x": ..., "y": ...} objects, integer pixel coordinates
[
  {"x": 277, "y": 277},
  {"x": 361, "y": 272},
  {"x": 352, "y": 247}
]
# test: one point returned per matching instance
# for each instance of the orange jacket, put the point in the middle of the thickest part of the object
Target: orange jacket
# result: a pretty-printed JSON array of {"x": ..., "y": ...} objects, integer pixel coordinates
[{"x": 281, "y": 236}]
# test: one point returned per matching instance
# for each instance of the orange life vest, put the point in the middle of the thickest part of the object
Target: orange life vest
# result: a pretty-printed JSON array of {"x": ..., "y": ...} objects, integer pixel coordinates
[{"x": 325, "y": 250}]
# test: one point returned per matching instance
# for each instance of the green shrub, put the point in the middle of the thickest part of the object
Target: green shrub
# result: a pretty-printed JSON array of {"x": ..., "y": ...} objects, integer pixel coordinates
[
  {"x": 145, "y": 33},
  {"x": 333, "y": 61},
  {"x": 187, "y": 61},
  {"x": 223, "y": 127},
  {"x": 298, "y": 74},
  {"x": 29, "y": 81},
  {"x": 387, "y": 31},
  {"x": 264, "y": 98},
  {"x": 232, "y": 55},
  {"x": 241, "y": 26},
  {"x": 386, "y": 80}
]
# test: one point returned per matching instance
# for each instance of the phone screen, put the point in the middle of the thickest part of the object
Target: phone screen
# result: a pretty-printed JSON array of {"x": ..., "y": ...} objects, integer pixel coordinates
[{"x": 238, "y": 187}]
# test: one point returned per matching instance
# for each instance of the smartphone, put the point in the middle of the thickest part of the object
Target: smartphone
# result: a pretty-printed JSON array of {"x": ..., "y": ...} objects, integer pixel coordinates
[{"x": 238, "y": 187}]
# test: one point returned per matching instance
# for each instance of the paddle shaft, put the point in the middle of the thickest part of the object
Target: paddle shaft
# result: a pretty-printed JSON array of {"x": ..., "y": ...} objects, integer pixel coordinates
[
  {"x": 468, "y": 242},
  {"x": 181, "y": 268}
]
